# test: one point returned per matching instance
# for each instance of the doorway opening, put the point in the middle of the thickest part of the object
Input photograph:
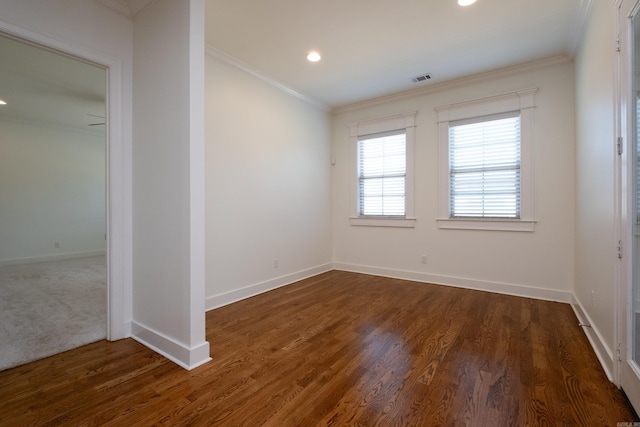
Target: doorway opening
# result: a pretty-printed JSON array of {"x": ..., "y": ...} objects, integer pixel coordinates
[{"x": 53, "y": 187}]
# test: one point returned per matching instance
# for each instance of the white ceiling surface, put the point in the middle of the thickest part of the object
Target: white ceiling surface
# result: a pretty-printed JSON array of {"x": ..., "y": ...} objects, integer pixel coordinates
[
  {"x": 45, "y": 88},
  {"x": 372, "y": 48}
]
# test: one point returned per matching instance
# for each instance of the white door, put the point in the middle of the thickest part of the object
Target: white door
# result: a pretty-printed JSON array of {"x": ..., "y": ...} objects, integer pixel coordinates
[{"x": 629, "y": 166}]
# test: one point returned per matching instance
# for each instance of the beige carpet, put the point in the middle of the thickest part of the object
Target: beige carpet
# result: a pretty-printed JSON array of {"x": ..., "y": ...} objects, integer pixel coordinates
[{"x": 48, "y": 308}]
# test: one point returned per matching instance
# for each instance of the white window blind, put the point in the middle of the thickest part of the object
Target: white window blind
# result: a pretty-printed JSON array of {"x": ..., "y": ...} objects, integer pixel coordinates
[
  {"x": 484, "y": 167},
  {"x": 382, "y": 168}
]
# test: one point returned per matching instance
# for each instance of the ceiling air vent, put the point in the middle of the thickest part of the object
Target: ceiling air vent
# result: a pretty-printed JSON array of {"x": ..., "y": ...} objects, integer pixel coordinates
[{"x": 421, "y": 78}]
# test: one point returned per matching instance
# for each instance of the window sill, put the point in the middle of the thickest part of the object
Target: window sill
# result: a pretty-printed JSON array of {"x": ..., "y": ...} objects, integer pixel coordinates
[
  {"x": 383, "y": 222},
  {"x": 486, "y": 224}
]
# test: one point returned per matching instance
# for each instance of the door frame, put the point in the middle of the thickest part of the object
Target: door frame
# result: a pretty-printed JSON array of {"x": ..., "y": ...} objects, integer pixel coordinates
[
  {"x": 119, "y": 178},
  {"x": 626, "y": 374}
]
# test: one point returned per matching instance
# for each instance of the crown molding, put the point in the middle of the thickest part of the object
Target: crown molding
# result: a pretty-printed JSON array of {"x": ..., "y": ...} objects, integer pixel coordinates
[
  {"x": 583, "y": 10},
  {"x": 136, "y": 6},
  {"x": 127, "y": 8},
  {"x": 449, "y": 84},
  {"x": 225, "y": 57}
]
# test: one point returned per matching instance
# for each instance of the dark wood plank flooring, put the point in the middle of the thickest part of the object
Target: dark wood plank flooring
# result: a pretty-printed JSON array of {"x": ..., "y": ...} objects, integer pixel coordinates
[{"x": 339, "y": 349}]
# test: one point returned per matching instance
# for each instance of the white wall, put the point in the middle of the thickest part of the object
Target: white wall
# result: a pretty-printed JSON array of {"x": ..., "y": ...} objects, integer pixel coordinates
[
  {"x": 539, "y": 264},
  {"x": 168, "y": 292},
  {"x": 595, "y": 187},
  {"x": 267, "y": 185},
  {"x": 52, "y": 189}
]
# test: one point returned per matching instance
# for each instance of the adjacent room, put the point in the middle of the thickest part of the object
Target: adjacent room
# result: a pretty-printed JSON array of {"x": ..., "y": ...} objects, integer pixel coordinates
[
  {"x": 352, "y": 213},
  {"x": 53, "y": 294}
]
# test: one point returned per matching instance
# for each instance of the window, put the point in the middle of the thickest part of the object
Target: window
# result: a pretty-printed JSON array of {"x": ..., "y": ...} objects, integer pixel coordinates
[
  {"x": 383, "y": 171},
  {"x": 485, "y": 174},
  {"x": 484, "y": 168}
]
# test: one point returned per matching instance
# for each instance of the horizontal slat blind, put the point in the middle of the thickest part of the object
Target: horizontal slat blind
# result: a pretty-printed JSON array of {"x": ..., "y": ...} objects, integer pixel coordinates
[
  {"x": 484, "y": 159},
  {"x": 382, "y": 168}
]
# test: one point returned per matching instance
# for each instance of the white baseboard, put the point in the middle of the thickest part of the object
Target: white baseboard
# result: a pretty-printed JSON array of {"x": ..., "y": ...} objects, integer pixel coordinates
[
  {"x": 226, "y": 298},
  {"x": 187, "y": 357},
  {"x": 459, "y": 282},
  {"x": 600, "y": 348},
  {"x": 50, "y": 258},
  {"x": 603, "y": 352}
]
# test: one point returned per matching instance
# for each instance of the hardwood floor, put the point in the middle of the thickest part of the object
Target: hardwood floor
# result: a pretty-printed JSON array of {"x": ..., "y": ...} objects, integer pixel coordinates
[{"x": 339, "y": 349}]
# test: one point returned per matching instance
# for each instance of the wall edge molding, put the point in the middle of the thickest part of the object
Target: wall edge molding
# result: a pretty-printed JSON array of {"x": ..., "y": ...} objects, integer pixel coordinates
[
  {"x": 50, "y": 258},
  {"x": 460, "y": 282},
  {"x": 461, "y": 81},
  {"x": 126, "y": 8},
  {"x": 187, "y": 357},
  {"x": 600, "y": 348},
  {"x": 226, "y": 298},
  {"x": 228, "y": 59}
]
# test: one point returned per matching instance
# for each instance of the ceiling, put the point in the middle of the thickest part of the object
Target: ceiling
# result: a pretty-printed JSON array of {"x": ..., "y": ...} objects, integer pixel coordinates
[
  {"x": 372, "y": 48},
  {"x": 47, "y": 88},
  {"x": 369, "y": 48}
]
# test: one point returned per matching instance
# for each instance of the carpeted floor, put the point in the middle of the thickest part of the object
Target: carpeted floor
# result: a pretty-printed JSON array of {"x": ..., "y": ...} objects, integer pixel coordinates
[{"x": 48, "y": 308}]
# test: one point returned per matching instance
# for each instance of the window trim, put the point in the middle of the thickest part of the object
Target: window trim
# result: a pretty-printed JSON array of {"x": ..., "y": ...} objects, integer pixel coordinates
[
  {"x": 402, "y": 121},
  {"x": 522, "y": 101}
]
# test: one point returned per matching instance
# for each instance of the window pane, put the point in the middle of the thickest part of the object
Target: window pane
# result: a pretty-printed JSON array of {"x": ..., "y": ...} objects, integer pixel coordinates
[
  {"x": 484, "y": 159},
  {"x": 382, "y": 175}
]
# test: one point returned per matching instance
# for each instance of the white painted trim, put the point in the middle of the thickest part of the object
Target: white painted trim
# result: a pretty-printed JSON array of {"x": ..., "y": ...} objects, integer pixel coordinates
[
  {"x": 187, "y": 357},
  {"x": 383, "y": 124},
  {"x": 50, "y": 258},
  {"x": 622, "y": 228},
  {"x": 486, "y": 224},
  {"x": 522, "y": 101},
  {"x": 119, "y": 6},
  {"x": 625, "y": 372},
  {"x": 363, "y": 221},
  {"x": 460, "y": 282},
  {"x": 126, "y": 8},
  {"x": 197, "y": 175},
  {"x": 225, "y": 57},
  {"x": 446, "y": 85},
  {"x": 363, "y": 128},
  {"x": 488, "y": 105},
  {"x": 137, "y": 6},
  {"x": 119, "y": 177},
  {"x": 236, "y": 295},
  {"x": 603, "y": 352}
]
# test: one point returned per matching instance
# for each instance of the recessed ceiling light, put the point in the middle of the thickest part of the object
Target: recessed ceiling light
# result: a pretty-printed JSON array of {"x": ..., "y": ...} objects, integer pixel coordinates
[
  {"x": 314, "y": 56},
  {"x": 2, "y": 102},
  {"x": 466, "y": 2}
]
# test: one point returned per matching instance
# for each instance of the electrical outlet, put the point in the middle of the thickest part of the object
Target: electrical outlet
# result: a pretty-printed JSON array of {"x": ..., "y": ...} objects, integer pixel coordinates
[
  {"x": 56, "y": 244},
  {"x": 275, "y": 263},
  {"x": 423, "y": 259}
]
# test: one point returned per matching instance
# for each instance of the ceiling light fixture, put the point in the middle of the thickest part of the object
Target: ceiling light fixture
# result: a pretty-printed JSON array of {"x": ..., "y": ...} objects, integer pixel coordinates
[
  {"x": 2, "y": 102},
  {"x": 314, "y": 56},
  {"x": 466, "y": 2}
]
